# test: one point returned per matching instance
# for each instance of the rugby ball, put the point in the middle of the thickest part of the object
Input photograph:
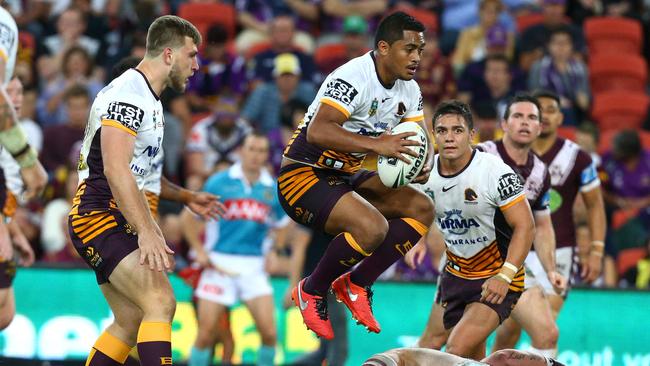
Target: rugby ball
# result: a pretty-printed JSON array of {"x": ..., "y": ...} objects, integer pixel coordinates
[{"x": 393, "y": 172}]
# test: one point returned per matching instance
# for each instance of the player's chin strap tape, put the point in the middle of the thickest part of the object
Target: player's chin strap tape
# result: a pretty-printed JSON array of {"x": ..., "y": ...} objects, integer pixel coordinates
[{"x": 15, "y": 141}]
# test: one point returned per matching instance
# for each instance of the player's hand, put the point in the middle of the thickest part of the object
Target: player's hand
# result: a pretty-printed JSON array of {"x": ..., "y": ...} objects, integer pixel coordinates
[
  {"x": 423, "y": 177},
  {"x": 494, "y": 291},
  {"x": 592, "y": 267},
  {"x": 24, "y": 250},
  {"x": 35, "y": 179},
  {"x": 6, "y": 248},
  {"x": 206, "y": 205},
  {"x": 396, "y": 146},
  {"x": 202, "y": 258},
  {"x": 415, "y": 256},
  {"x": 558, "y": 281},
  {"x": 155, "y": 251}
]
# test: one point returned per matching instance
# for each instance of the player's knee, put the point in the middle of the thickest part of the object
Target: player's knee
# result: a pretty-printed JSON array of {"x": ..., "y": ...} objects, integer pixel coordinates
[
  {"x": 423, "y": 210},
  {"x": 458, "y": 348},
  {"x": 269, "y": 337},
  {"x": 161, "y": 305},
  {"x": 371, "y": 233},
  {"x": 548, "y": 337}
]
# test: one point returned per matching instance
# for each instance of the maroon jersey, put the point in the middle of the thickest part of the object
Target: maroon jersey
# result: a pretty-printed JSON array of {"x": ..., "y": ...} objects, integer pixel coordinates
[{"x": 572, "y": 170}]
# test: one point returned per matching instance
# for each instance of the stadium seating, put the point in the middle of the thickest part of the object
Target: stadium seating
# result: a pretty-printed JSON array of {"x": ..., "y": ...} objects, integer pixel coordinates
[
  {"x": 619, "y": 110},
  {"x": 327, "y": 52},
  {"x": 427, "y": 18},
  {"x": 567, "y": 132},
  {"x": 613, "y": 35},
  {"x": 526, "y": 20},
  {"x": 605, "y": 141},
  {"x": 616, "y": 71},
  {"x": 628, "y": 258},
  {"x": 203, "y": 15}
]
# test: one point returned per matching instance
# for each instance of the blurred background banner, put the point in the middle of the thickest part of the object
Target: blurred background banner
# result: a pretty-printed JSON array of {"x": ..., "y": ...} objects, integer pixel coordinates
[{"x": 61, "y": 313}]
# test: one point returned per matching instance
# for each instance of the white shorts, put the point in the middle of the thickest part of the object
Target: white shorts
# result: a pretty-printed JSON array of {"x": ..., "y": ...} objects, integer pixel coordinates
[
  {"x": 536, "y": 276},
  {"x": 246, "y": 279}
]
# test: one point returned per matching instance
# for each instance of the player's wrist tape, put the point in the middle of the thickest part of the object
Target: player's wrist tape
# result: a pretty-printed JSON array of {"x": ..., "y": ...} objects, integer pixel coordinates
[
  {"x": 511, "y": 267},
  {"x": 13, "y": 139},
  {"x": 504, "y": 277},
  {"x": 598, "y": 243},
  {"x": 597, "y": 253},
  {"x": 26, "y": 158}
]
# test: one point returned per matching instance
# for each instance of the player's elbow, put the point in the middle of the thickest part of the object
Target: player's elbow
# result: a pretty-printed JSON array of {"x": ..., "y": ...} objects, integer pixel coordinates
[{"x": 314, "y": 134}]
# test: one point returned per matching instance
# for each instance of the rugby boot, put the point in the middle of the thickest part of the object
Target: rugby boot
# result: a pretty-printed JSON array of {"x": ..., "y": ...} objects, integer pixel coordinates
[
  {"x": 358, "y": 299},
  {"x": 313, "y": 309}
]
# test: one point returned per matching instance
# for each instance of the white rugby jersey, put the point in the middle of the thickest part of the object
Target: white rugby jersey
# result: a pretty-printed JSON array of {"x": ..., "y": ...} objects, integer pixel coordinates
[
  {"x": 152, "y": 181},
  {"x": 11, "y": 170},
  {"x": 370, "y": 107},
  {"x": 8, "y": 43},
  {"x": 468, "y": 212},
  {"x": 130, "y": 104}
]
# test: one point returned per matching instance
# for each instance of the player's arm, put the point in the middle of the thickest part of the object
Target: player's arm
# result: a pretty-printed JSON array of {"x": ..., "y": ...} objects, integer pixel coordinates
[
  {"x": 511, "y": 357},
  {"x": 326, "y": 130},
  {"x": 545, "y": 245},
  {"x": 597, "y": 222},
  {"x": 519, "y": 217},
  {"x": 203, "y": 204},
  {"x": 117, "y": 152}
]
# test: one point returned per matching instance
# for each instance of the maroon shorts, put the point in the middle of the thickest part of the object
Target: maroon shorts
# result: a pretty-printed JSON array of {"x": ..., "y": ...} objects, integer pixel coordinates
[
  {"x": 309, "y": 194},
  {"x": 7, "y": 273},
  {"x": 102, "y": 239},
  {"x": 456, "y": 293}
]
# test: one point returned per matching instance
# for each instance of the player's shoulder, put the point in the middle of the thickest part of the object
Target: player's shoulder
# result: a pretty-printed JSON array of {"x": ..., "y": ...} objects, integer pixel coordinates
[
  {"x": 583, "y": 158},
  {"x": 488, "y": 147},
  {"x": 356, "y": 71},
  {"x": 6, "y": 18},
  {"x": 131, "y": 85},
  {"x": 485, "y": 160}
]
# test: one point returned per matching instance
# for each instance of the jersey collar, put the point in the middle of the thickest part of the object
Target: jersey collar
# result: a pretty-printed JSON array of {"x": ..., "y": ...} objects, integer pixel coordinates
[{"x": 236, "y": 172}]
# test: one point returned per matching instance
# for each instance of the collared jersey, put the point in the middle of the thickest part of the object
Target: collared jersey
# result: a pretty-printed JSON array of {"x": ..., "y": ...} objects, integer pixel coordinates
[
  {"x": 370, "y": 108},
  {"x": 251, "y": 210},
  {"x": 129, "y": 104},
  {"x": 469, "y": 213},
  {"x": 8, "y": 43},
  {"x": 533, "y": 173}
]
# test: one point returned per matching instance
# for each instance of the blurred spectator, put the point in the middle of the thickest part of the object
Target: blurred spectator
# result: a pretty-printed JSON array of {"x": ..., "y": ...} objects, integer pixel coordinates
[
  {"x": 256, "y": 18},
  {"x": 533, "y": 39},
  {"x": 434, "y": 75},
  {"x": 627, "y": 172},
  {"x": 334, "y": 12},
  {"x": 281, "y": 32},
  {"x": 486, "y": 123},
  {"x": 262, "y": 108},
  {"x": 565, "y": 74},
  {"x": 496, "y": 86},
  {"x": 355, "y": 41},
  {"x": 70, "y": 26},
  {"x": 213, "y": 142},
  {"x": 59, "y": 139},
  {"x": 639, "y": 275},
  {"x": 32, "y": 129},
  {"x": 220, "y": 71},
  {"x": 77, "y": 68},
  {"x": 178, "y": 121},
  {"x": 473, "y": 42},
  {"x": 587, "y": 136}
]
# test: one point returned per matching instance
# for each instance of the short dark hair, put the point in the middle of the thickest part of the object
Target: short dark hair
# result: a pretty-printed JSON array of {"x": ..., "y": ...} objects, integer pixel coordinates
[
  {"x": 561, "y": 30},
  {"x": 591, "y": 129},
  {"x": 75, "y": 91},
  {"x": 519, "y": 98},
  {"x": 170, "y": 31},
  {"x": 216, "y": 34},
  {"x": 392, "y": 27},
  {"x": 626, "y": 145},
  {"x": 498, "y": 57},
  {"x": 485, "y": 110},
  {"x": 80, "y": 51},
  {"x": 545, "y": 93},
  {"x": 453, "y": 107},
  {"x": 126, "y": 63}
]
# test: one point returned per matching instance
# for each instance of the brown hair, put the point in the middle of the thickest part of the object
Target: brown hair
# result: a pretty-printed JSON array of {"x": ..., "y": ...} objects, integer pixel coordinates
[
  {"x": 170, "y": 31},
  {"x": 75, "y": 91}
]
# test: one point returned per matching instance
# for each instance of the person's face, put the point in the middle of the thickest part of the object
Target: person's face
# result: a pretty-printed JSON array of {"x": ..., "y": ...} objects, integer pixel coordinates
[
  {"x": 287, "y": 83},
  {"x": 497, "y": 74},
  {"x": 70, "y": 24},
  {"x": 560, "y": 46},
  {"x": 78, "y": 110},
  {"x": 523, "y": 125},
  {"x": 355, "y": 42},
  {"x": 254, "y": 153},
  {"x": 553, "y": 13},
  {"x": 215, "y": 51},
  {"x": 404, "y": 55},
  {"x": 586, "y": 141},
  {"x": 452, "y": 136},
  {"x": 77, "y": 65},
  {"x": 184, "y": 64},
  {"x": 489, "y": 14},
  {"x": 15, "y": 92},
  {"x": 551, "y": 116},
  {"x": 486, "y": 127},
  {"x": 282, "y": 31}
]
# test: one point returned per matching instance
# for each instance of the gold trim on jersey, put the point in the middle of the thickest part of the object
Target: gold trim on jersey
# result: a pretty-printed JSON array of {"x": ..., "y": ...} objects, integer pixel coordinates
[
  {"x": 512, "y": 203},
  {"x": 293, "y": 137},
  {"x": 351, "y": 163},
  {"x": 76, "y": 201},
  {"x": 486, "y": 263},
  {"x": 114, "y": 123},
  {"x": 416, "y": 225},
  {"x": 413, "y": 119},
  {"x": 336, "y": 106},
  {"x": 10, "y": 205},
  {"x": 295, "y": 183},
  {"x": 152, "y": 201},
  {"x": 87, "y": 226},
  {"x": 4, "y": 57}
]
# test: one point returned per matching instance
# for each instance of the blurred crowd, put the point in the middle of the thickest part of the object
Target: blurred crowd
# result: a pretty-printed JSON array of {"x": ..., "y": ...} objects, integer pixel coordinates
[{"x": 262, "y": 61}]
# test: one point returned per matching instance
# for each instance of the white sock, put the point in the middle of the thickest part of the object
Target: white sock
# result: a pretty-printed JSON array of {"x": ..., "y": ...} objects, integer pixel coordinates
[{"x": 549, "y": 353}]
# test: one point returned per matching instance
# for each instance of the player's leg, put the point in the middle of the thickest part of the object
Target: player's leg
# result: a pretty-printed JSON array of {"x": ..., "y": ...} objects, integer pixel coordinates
[
  {"x": 435, "y": 335},
  {"x": 115, "y": 343},
  {"x": 507, "y": 335},
  {"x": 7, "y": 306},
  {"x": 262, "y": 311},
  {"x": 151, "y": 291},
  {"x": 214, "y": 293},
  {"x": 557, "y": 302},
  {"x": 467, "y": 339},
  {"x": 533, "y": 312},
  {"x": 224, "y": 336}
]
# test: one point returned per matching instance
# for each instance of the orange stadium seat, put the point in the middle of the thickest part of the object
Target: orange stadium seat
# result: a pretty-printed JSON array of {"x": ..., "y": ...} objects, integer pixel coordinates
[
  {"x": 616, "y": 71},
  {"x": 203, "y": 15},
  {"x": 628, "y": 258},
  {"x": 605, "y": 141},
  {"x": 613, "y": 35},
  {"x": 327, "y": 52},
  {"x": 427, "y": 18},
  {"x": 567, "y": 132},
  {"x": 617, "y": 110}
]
